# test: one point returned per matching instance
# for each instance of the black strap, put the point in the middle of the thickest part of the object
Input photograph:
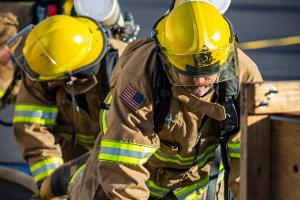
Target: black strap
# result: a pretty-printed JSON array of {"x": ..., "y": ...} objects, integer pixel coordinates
[
  {"x": 108, "y": 64},
  {"x": 161, "y": 96},
  {"x": 75, "y": 108}
]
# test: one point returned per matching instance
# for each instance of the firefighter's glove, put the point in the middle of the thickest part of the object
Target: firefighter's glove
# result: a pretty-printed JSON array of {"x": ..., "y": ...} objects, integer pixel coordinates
[{"x": 230, "y": 125}]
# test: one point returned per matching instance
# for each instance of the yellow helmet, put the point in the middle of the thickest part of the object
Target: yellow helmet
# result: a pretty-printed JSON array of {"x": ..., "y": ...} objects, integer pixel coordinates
[
  {"x": 195, "y": 40},
  {"x": 63, "y": 46}
]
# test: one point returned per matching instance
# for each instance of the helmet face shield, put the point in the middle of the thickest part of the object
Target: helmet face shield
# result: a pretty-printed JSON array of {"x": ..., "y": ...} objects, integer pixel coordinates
[
  {"x": 196, "y": 44},
  {"x": 212, "y": 66},
  {"x": 16, "y": 44}
]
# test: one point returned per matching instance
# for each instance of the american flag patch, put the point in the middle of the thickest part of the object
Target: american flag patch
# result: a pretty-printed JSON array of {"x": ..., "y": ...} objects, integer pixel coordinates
[{"x": 131, "y": 97}]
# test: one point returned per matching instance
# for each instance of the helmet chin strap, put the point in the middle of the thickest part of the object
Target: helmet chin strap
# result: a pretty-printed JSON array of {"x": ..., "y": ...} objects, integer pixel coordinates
[{"x": 70, "y": 83}]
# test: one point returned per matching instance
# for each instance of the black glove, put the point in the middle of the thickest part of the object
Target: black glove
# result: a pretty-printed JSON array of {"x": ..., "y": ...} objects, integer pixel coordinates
[{"x": 230, "y": 125}]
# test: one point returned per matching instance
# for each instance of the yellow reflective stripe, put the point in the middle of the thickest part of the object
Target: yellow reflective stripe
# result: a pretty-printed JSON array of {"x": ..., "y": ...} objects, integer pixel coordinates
[
  {"x": 193, "y": 191},
  {"x": 81, "y": 137},
  {"x": 45, "y": 167},
  {"x": 46, "y": 161},
  {"x": 174, "y": 158},
  {"x": 105, "y": 115},
  {"x": 123, "y": 152},
  {"x": 44, "y": 115},
  {"x": 156, "y": 190},
  {"x": 234, "y": 149},
  {"x": 206, "y": 155},
  {"x": 1, "y": 93},
  {"x": 201, "y": 159},
  {"x": 34, "y": 120},
  {"x": 85, "y": 138},
  {"x": 78, "y": 173},
  {"x": 128, "y": 146},
  {"x": 49, "y": 109},
  {"x": 42, "y": 175},
  {"x": 122, "y": 159},
  {"x": 88, "y": 143}
]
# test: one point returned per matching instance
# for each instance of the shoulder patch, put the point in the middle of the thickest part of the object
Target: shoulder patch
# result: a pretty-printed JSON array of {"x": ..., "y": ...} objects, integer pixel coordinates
[{"x": 131, "y": 97}]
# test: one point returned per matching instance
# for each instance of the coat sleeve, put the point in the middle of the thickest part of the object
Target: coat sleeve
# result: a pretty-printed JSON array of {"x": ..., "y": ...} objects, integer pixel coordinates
[
  {"x": 248, "y": 70},
  {"x": 34, "y": 119},
  {"x": 128, "y": 140}
]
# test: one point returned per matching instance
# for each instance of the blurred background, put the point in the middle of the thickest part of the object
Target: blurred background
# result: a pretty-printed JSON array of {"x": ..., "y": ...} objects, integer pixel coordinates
[{"x": 252, "y": 19}]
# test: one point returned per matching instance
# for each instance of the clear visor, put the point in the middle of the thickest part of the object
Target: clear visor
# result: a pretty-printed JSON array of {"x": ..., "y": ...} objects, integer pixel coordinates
[
  {"x": 205, "y": 68},
  {"x": 16, "y": 45},
  {"x": 13, "y": 48}
]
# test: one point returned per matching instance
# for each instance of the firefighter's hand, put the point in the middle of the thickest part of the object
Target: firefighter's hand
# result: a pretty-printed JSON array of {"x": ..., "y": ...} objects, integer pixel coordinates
[{"x": 230, "y": 125}]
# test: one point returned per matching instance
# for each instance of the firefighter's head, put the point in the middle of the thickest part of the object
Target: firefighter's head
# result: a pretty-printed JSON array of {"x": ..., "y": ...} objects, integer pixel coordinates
[
  {"x": 62, "y": 46},
  {"x": 196, "y": 44}
]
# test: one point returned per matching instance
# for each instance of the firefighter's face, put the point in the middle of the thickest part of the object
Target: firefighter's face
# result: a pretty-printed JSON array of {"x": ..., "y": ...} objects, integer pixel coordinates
[{"x": 198, "y": 86}]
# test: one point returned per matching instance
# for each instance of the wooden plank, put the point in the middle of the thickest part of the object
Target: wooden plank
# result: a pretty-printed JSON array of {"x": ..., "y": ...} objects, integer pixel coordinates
[
  {"x": 292, "y": 114},
  {"x": 285, "y": 167},
  {"x": 255, "y": 158},
  {"x": 273, "y": 97}
]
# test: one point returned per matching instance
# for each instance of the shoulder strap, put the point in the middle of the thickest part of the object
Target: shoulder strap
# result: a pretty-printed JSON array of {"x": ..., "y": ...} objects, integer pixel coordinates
[
  {"x": 108, "y": 63},
  {"x": 161, "y": 96}
]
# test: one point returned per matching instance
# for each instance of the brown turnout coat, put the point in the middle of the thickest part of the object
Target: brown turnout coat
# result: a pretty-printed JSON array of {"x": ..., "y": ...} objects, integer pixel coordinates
[
  {"x": 130, "y": 161},
  {"x": 44, "y": 119}
]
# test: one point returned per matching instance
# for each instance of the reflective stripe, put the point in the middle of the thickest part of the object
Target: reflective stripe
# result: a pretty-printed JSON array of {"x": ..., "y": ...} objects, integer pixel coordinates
[
  {"x": 122, "y": 152},
  {"x": 174, "y": 158},
  {"x": 193, "y": 191},
  {"x": 77, "y": 174},
  {"x": 87, "y": 141},
  {"x": 156, "y": 190},
  {"x": 44, "y": 168},
  {"x": 201, "y": 159},
  {"x": 44, "y": 115},
  {"x": 1, "y": 93},
  {"x": 234, "y": 150},
  {"x": 204, "y": 157},
  {"x": 104, "y": 115}
]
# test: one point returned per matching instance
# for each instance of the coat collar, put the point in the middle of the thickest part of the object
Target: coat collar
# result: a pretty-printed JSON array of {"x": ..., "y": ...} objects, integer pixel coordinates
[{"x": 199, "y": 105}]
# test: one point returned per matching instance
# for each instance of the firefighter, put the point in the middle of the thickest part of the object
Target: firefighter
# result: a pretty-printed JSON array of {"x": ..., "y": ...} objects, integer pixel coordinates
[
  {"x": 66, "y": 61},
  {"x": 120, "y": 28},
  {"x": 159, "y": 137}
]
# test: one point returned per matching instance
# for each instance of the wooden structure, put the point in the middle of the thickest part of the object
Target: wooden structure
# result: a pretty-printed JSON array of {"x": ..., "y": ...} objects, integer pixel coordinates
[{"x": 270, "y": 122}]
